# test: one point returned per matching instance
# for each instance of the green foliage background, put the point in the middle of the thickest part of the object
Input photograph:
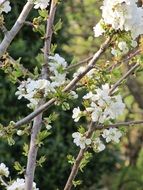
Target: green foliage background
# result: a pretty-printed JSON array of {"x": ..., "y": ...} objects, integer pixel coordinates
[{"x": 110, "y": 169}]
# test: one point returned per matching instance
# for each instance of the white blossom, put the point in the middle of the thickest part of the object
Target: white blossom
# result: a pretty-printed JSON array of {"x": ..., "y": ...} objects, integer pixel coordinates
[
  {"x": 48, "y": 127},
  {"x": 42, "y": 4},
  {"x": 116, "y": 108},
  {"x": 115, "y": 52},
  {"x": 4, "y": 170},
  {"x": 74, "y": 94},
  {"x": 56, "y": 63},
  {"x": 102, "y": 95},
  {"x": 123, "y": 15},
  {"x": 98, "y": 29},
  {"x": 89, "y": 95},
  {"x": 102, "y": 106},
  {"x": 96, "y": 112},
  {"x": 123, "y": 47},
  {"x": 112, "y": 134},
  {"x": 5, "y": 6},
  {"x": 58, "y": 79},
  {"x": 98, "y": 145},
  {"x": 34, "y": 90},
  {"x": 20, "y": 132},
  {"x": 134, "y": 43},
  {"x": 81, "y": 140},
  {"x": 76, "y": 114},
  {"x": 19, "y": 184}
]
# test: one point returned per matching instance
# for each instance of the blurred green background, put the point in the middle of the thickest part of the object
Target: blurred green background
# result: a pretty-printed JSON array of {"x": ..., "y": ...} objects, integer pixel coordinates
[{"x": 119, "y": 167}]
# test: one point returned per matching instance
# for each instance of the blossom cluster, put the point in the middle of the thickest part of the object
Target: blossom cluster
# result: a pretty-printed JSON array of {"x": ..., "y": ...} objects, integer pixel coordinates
[
  {"x": 35, "y": 90},
  {"x": 81, "y": 140},
  {"x": 5, "y": 6},
  {"x": 122, "y": 48},
  {"x": 111, "y": 134},
  {"x": 42, "y": 4},
  {"x": 102, "y": 107},
  {"x": 122, "y": 16},
  {"x": 4, "y": 170},
  {"x": 57, "y": 65},
  {"x": 19, "y": 184}
]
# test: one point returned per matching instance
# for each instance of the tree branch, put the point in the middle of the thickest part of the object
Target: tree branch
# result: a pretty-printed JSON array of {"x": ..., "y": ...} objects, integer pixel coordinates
[
  {"x": 32, "y": 154},
  {"x": 3, "y": 2},
  {"x": 128, "y": 57},
  {"x": 78, "y": 160},
  {"x": 85, "y": 61},
  {"x": 128, "y": 123},
  {"x": 124, "y": 77},
  {"x": 10, "y": 35},
  {"x": 48, "y": 38}
]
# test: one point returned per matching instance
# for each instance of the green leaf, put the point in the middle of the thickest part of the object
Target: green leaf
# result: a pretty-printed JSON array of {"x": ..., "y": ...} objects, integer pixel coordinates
[
  {"x": 41, "y": 29},
  {"x": 57, "y": 26},
  {"x": 76, "y": 183},
  {"x": 25, "y": 149},
  {"x": 85, "y": 160},
  {"x": 41, "y": 136},
  {"x": 11, "y": 141},
  {"x": 41, "y": 161},
  {"x": 19, "y": 168},
  {"x": 52, "y": 117},
  {"x": 81, "y": 129},
  {"x": 43, "y": 13},
  {"x": 65, "y": 106},
  {"x": 53, "y": 48},
  {"x": 71, "y": 159}
]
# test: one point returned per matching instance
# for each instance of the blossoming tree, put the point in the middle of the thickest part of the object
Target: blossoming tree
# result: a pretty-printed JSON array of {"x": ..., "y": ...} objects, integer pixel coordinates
[{"x": 102, "y": 103}]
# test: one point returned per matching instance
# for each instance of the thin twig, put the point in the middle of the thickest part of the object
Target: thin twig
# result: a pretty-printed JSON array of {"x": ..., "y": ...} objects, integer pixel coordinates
[
  {"x": 10, "y": 35},
  {"x": 3, "y": 2},
  {"x": 3, "y": 29},
  {"x": 128, "y": 123},
  {"x": 124, "y": 77},
  {"x": 90, "y": 66},
  {"x": 28, "y": 23},
  {"x": 48, "y": 38},
  {"x": 85, "y": 61},
  {"x": 125, "y": 60},
  {"x": 3, "y": 182}
]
